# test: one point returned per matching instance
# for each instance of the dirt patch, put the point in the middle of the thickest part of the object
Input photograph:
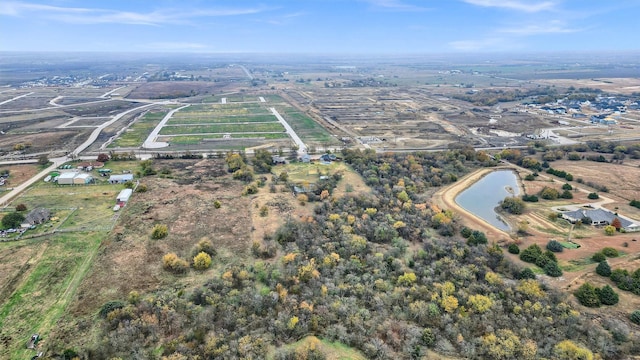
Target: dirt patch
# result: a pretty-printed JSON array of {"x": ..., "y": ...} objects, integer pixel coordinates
[
  {"x": 19, "y": 173},
  {"x": 47, "y": 141}
]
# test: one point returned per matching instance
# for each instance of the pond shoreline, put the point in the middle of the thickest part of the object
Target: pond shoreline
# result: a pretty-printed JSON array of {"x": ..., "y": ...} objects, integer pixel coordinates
[{"x": 445, "y": 198}]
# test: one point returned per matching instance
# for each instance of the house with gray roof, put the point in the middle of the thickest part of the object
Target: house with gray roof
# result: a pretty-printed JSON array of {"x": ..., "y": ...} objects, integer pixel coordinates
[
  {"x": 598, "y": 217},
  {"x": 35, "y": 217}
]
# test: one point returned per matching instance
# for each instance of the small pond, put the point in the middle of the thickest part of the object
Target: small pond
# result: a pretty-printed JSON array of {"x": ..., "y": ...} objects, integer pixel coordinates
[{"x": 485, "y": 195}]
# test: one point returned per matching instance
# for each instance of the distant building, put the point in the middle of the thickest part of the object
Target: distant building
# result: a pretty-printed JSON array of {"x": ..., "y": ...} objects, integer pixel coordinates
[
  {"x": 66, "y": 178},
  {"x": 120, "y": 179}
]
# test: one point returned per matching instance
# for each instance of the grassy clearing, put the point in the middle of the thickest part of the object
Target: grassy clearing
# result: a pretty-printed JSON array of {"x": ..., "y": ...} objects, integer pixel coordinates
[
  {"x": 308, "y": 129},
  {"x": 332, "y": 350},
  {"x": 569, "y": 245},
  {"x": 47, "y": 288},
  {"x": 222, "y": 109},
  {"x": 225, "y": 119},
  {"x": 225, "y": 128},
  {"x": 577, "y": 264},
  {"x": 193, "y": 140},
  {"x": 138, "y": 131}
]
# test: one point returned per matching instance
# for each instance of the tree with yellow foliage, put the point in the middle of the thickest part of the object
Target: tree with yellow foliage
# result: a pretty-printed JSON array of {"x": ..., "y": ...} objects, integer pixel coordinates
[
  {"x": 568, "y": 350},
  {"x": 202, "y": 261}
]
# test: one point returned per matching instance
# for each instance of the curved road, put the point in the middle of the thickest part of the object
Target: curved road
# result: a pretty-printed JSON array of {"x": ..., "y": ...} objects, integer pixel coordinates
[{"x": 4, "y": 200}]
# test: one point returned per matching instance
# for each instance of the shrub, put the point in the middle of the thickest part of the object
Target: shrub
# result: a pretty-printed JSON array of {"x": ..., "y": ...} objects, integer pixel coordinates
[
  {"x": 607, "y": 296},
  {"x": 466, "y": 232},
  {"x": 526, "y": 273},
  {"x": 635, "y": 203},
  {"x": 610, "y": 252},
  {"x": 141, "y": 188},
  {"x": 598, "y": 257},
  {"x": 103, "y": 158},
  {"x": 173, "y": 263},
  {"x": 264, "y": 211},
  {"x": 530, "y": 177},
  {"x": 593, "y": 196},
  {"x": 477, "y": 238},
  {"x": 159, "y": 231},
  {"x": 548, "y": 193},
  {"x": 204, "y": 245},
  {"x": 587, "y": 294},
  {"x": 514, "y": 249},
  {"x": 217, "y": 204},
  {"x": 603, "y": 269},
  {"x": 635, "y": 317},
  {"x": 21, "y": 207},
  {"x": 202, "y": 261},
  {"x": 552, "y": 269},
  {"x": 567, "y": 186},
  {"x": 530, "y": 198},
  {"x": 566, "y": 195},
  {"x": 109, "y": 307},
  {"x": 531, "y": 254},
  {"x": 554, "y": 246},
  {"x": 302, "y": 199},
  {"x": 609, "y": 230}
]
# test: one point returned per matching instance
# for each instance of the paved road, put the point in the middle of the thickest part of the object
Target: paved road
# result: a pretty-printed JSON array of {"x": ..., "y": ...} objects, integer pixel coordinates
[
  {"x": 16, "y": 98},
  {"x": 151, "y": 143},
  {"x": 302, "y": 148}
]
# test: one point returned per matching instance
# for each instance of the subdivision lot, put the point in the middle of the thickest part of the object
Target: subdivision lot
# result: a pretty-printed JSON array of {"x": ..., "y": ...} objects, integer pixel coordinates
[{"x": 137, "y": 132}]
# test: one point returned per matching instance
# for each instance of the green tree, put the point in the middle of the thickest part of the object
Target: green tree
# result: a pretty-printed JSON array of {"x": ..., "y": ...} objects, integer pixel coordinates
[
  {"x": 603, "y": 269},
  {"x": 555, "y": 246},
  {"x": 12, "y": 220},
  {"x": 552, "y": 269},
  {"x": 514, "y": 249},
  {"x": 607, "y": 296},
  {"x": 635, "y": 317},
  {"x": 593, "y": 196},
  {"x": 513, "y": 205},
  {"x": 598, "y": 257},
  {"x": 587, "y": 294},
  {"x": 531, "y": 254}
]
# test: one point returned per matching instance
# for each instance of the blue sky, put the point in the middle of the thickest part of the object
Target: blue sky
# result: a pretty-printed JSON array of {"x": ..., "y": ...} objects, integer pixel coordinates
[{"x": 320, "y": 26}]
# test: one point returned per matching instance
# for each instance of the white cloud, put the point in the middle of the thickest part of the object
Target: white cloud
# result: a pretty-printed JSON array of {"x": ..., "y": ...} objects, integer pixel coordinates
[
  {"x": 102, "y": 16},
  {"x": 553, "y": 27},
  {"x": 520, "y": 5},
  {"x": 394, "y": 5}
]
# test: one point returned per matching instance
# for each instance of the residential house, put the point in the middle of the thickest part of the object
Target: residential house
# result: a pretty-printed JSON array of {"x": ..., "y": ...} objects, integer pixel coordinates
[
  {"x": 35, "y": 217},
  {"x": 599, "y": 217}
]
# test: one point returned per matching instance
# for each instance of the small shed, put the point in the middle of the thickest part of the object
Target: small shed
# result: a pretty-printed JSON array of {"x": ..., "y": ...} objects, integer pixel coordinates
[
  {"x": 36, "y": 216},
  {"x": 124, "y": 196},
  {"x": 120, "y": 179},
  {"x": 82, "y": 179},
  {"x": 66, "y": 178}
]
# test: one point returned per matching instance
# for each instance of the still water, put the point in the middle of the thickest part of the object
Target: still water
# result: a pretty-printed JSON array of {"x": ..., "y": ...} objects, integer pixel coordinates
[{"x": 483, "y": 197}]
